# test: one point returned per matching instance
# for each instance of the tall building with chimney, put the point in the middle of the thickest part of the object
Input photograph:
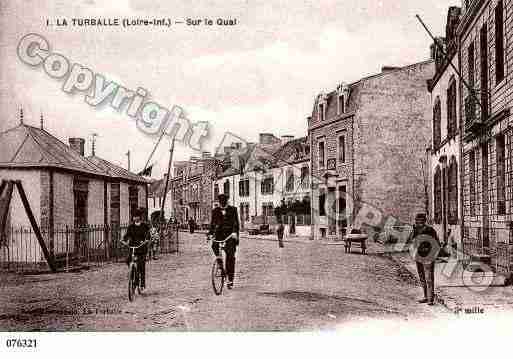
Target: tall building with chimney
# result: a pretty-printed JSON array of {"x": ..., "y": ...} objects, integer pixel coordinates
[{"x": 368, "y": 143}]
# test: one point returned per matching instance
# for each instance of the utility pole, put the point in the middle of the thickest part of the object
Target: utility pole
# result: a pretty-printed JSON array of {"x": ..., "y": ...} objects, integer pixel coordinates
[
  {"x": 128, "y": 156},
  {"x": 166, "y": 187}
]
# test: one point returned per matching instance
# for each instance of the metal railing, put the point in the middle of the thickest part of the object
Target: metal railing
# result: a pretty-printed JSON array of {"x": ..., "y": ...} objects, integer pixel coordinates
[{"x": 85, "y": 246}]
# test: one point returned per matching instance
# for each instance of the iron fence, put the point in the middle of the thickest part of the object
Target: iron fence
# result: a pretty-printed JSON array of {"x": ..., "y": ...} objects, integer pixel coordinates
[{"x": 71, "y": 247}]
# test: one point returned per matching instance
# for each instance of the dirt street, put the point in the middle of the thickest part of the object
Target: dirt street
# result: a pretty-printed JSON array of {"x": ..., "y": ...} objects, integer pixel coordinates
[{"x": 303, "y": 286}]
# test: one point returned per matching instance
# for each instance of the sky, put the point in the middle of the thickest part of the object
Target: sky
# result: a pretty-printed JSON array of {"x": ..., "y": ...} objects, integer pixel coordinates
[{"x": 261, "y": 75}]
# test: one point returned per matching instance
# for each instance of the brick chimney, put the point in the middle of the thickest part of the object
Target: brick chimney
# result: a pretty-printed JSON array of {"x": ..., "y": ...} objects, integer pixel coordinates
[{"x": 77, "y": 144}]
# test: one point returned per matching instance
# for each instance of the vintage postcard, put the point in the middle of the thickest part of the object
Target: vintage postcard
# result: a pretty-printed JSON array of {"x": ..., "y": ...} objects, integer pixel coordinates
[{"x": 255, "y": 166}]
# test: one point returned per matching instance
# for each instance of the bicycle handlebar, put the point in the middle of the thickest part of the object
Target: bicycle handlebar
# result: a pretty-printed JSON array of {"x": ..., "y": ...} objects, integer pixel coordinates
[
  {"x": 224, "y": 240},
  {"x": 139, "y": 246}
]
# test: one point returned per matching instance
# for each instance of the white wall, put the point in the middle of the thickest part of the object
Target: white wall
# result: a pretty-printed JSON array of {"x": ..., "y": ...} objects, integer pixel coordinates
[
  {"x": 256, "y": 200},
  {"x": 20, "y": 242},
  {"x": 449, "y": 149},
  {"x": 31, "y": 180}
]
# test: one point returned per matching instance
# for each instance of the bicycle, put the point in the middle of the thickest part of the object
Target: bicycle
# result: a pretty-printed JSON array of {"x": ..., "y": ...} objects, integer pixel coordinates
[
  {"x": 134, "y": 277},
  {"x": 218, "y": 269}
]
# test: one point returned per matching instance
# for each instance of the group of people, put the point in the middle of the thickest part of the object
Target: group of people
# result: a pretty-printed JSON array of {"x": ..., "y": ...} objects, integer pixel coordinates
[{"x": 225, "y": 227}]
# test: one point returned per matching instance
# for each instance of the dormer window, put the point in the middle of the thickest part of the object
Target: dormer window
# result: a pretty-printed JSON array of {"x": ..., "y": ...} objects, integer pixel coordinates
[
  {"x": 341, "y": 104},
  {"x": 342, "y": 95},
  {"x": 322, "y": 107}
]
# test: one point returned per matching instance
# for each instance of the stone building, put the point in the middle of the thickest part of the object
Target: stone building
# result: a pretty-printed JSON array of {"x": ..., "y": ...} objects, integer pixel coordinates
[
  {"x": 191, "y": 188},
  {"x": 64, "y": 188},
  {"x": 487, "y": 96},
  {"x": 445, "y": 160},
  {"x": 368, "y": 144}
]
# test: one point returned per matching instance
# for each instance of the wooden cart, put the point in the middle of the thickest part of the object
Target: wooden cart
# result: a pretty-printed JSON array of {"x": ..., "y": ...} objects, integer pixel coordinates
[{"x": 355, "y": 238}]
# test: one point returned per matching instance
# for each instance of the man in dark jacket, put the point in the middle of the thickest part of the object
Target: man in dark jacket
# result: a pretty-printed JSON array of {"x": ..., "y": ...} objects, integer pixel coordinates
[
  {"x": 225, "y": 222},
  {"x": 137, "y": 232},
  {"x": 192, "y": 225},
  {"x": 425, "y": 248}
]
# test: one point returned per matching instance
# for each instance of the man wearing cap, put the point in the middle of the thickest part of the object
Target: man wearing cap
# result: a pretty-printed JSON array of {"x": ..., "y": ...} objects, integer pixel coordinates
[
  {"x": 136, "y": 234},
  {"x": 225, "y": 222},
  {"x": 425, "y": 247}
]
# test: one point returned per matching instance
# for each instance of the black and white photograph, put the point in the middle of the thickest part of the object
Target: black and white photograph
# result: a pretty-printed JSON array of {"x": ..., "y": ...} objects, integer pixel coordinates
[{"x": 225, "y": 173}]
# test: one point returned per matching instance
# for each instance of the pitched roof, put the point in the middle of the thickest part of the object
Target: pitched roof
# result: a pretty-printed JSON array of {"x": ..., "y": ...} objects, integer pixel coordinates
[
  {"x": 296, "y": 150},
  {"x": 116, "y": 171},
  {"x": 26, "y": 146},
  {"x": 355, "y": 90}
]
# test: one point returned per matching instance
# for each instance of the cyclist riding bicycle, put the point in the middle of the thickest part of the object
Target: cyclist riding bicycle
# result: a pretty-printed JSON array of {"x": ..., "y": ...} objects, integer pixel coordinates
[
  {"x": 225, "y": 222},
  {"x": 136, "y": 234}
]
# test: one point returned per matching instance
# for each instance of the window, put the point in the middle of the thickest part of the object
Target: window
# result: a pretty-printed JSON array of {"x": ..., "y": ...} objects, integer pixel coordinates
[
  {"x": 437, "y": 123},
  {"x": 437, "y": 186},
  {"x": 244, "y": 188},
  {"x": 501, "y": 174},
  {"x": 289, "y": 185},
  {"x": 268, "y": 209},
  {"x": 321, "y": 112},
  {"x": 451, "y": 109},
  {"x": 342, "y": 148},
  {"x": 226, "y": 188},
  {"x": 453, "y": 191},
  {"x": 470, "y": 110},
  {"x": 322, "y": 162},
  {"x": 115, "y": 200},
  {"x": 470, "y": 64},
  {"x": 216, "y": 191},
  {"x": 483, "y": 40},
  {"x": 267, "y": 185},
  {"x": 472, "y": 182},
  {"x": 499, "y": 42},
  {"x": 322, "y": 202},
  {"x": 305, "y": 176},
  {"x": 341, "y": 104}
]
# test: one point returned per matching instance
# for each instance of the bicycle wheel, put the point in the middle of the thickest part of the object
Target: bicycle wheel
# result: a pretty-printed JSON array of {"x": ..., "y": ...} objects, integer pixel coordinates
[
  {"x": 217, "y": 277},
  {"x": 132, "y": 281},
  {"x": 138, "y": 282}
]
